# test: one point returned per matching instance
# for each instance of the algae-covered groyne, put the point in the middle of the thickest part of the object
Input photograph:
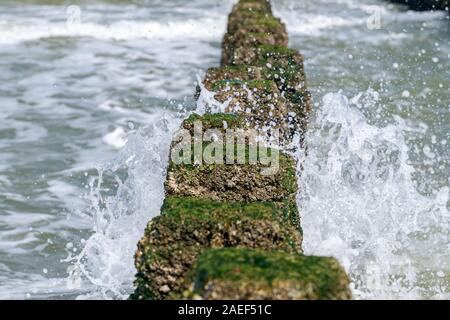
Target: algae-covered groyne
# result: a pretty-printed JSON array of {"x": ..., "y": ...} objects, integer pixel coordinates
[{"x": 229, "y": 227}]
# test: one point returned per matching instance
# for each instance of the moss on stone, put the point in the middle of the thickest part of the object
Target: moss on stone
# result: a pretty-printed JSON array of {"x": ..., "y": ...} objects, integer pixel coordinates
[
  {"x": 242, "y": 73},
  {"x": 231, "y": 182},
  {"x": 240, "y": 47},
  {"x": 262, "y": 105},
  {"x": 187, "y": 226},
  {"x": 276, "y": 64},
  {"x": 285, "y": 66},
  {"x": 267, "y": 86},
  {"x": 217, "y": 212},
  {"x": 255, "y": 21},
  {"x": 243, "y": 274},
  {"x": 214, "y": 120},
  {"x": 253, "y": 14},
  {"x": 234, "y": 182},
  {"x": 253, "y": 5}
]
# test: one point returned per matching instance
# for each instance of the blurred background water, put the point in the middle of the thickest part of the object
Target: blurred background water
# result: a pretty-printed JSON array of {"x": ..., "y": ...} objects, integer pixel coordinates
[{"x": 90, "y": 92}]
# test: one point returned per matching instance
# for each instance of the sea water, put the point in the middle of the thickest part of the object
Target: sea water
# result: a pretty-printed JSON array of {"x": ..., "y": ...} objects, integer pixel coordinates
[{"x": 91, "y": 92}]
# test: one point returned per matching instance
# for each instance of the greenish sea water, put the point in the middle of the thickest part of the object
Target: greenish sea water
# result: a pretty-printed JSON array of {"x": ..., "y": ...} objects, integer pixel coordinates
[{"x": 89, "y": 93}]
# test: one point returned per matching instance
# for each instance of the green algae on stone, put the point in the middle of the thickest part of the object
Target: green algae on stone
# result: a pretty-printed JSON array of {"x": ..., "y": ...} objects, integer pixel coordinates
[
  {"x": 234, "y": 182},
  {"x": 253, "y": 274},
  {"x": 253, "y": 5},
  {"x": 214, "y": 121},
  {"x": 255, "y": 21},
  {"x": 255, "y": 173},
  {"x": 259, "y": 102},
  {"x": 254, "y": 15},
  {"x": 283, "y": 65},
  {"x": 262, "y": 104},
  {"x": 268, "y": 86},
  {"x": 269, "y": 65},
  {"x": 242, "y": 73},
  {"x": 250, "y": 24},
  {"x": 212, "y": 135},
  {"x": 217, "y": 211},
  {"x": 187, "y": 226},
  {"x": 239, "y": 48}
]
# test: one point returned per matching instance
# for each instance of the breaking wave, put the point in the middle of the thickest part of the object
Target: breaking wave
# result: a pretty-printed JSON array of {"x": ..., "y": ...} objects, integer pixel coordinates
[{"x": 359, "y": 204}]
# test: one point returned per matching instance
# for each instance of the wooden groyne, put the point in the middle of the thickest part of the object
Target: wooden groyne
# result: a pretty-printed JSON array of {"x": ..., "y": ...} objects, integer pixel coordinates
[{"x": 231, "y": 229}]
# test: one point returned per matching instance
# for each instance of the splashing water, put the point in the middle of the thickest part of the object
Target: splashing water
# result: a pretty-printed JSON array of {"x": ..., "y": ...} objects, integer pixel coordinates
[
  {"x": 119, "y": 219},
  {"x": 359, "y": 204},
  {"x": 67, "y": 102},
  {"x": 105, "y": 266}
]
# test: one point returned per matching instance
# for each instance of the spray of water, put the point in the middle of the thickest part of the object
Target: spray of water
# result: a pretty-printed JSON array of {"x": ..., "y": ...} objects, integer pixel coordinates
[
  {"x": 357, "y": 198},
  {"x": 137, "y": 175},
  {"x": 123, "y": 197},
  {"x": 359, "y": 204}
]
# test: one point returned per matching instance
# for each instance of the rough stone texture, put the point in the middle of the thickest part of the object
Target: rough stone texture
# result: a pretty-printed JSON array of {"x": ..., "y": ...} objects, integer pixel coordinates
[
  {"x": 249, "y": 274},
  {"x": 282, "y": 65},
  {"x": 234, "y": 182},
  {"x": 260, "y": 102},
  {"x": 220, "y": 121},
  {"x": 187, "y": 226},
  {"x": 251, "y": 23},
  {"x": 231, "y": 182},
  {"x": 285, "y": 105},
  {"x": 242, "y": 73},
  {"x": 285, "y": 67},
  {"x": 255, "y": 45}
]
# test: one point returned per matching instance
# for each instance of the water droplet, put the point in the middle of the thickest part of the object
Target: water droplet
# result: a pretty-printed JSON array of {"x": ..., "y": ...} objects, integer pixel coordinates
[{"x": 406, "y": 94}]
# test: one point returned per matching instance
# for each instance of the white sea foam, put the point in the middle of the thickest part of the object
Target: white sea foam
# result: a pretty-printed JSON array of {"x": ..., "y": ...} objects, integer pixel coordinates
[
  {"x": 359, "y": 204},
  {"x": 315, "y": 24},
  {"x": 201, "y": 29},
  {"x": 21, "y": 285},
  {"x": 116, "y": 138},
  {"x": 300, "y": 21}
]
